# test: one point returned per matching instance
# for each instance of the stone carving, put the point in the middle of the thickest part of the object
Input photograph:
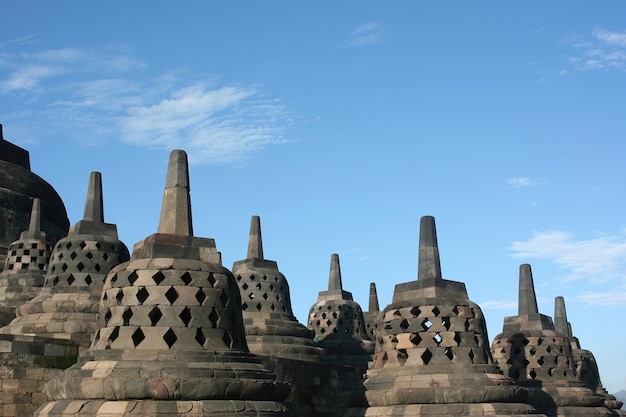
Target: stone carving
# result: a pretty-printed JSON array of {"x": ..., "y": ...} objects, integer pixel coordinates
[
  {"x": 25, "y": 267},
  {"x": 432, "y": 351},
  {"x": 67, "y": 305},
  {"x": 171, "y": 338},
  {"x": 538, "y": 357},
  {"x": 270, "y": 326},
  {"x": 585, "y": 363}
]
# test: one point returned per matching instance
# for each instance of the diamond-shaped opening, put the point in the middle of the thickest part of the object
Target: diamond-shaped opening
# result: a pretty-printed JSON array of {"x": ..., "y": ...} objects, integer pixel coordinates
[
  {"x": 415, "y": 338},
  {"x": 426, "y": 324},
  {"x": 265, "y": 296},
  {"x": 322, "y": 331},
  {"x": 539, "y": 341},
  {"x": 105, "y": 256},
  {"x": 404, "y": 324},
  {"x": 170, "y": 338},
  {"x": 89, "y": 255},
  {"x": 251, "y": 277},
  {"x": 126, "y": 316},
  {"x": 55, "y": 281},
  {"x": 415, "y": 311},
  {"x": 264, "y": 277},
  {"x": 548, "y": 349},
  {"x": 476, "y": 340},
  {"x": 540, "y": 361},
  {"x": 334, "y": 314},
  {"x": 185, "y": 316},
  {"x": 514, "y": 374},
  {"x": 284, "y": 308},
  {"x": 142, "y": 295},
  {"x": 244, "y": 286},
  {"x": 88, "y": 279},
  {"x": 83, "y": 245},
  {"x": 97, "y": 267},
  {"x": 457, "y": 338},
  {"x": 114, "y": 278},
  {"x": 73, "y": 255},
  {"x": 436, "y": 311},
  {"x": 228, "y": 341},
  {"x": 550, "y": 371},
  {"x": 526, "y": 362},
  {"x": 171, "y": 294},
  {"x": 211, "y": 279},
  {"x": 277, "y": 297},
  {"x": 244, "y": 306},
  {"x": 258, "y": 286},
  {"x": 200, "y": 337},
  {"x": 107, "y": 317},
  {"x": 532, "y": 374},
  {"x": 328, "y": 322},
  {"x": 71, "y": 279},
  {"x": 80, "y": 266},
  {"x": 271, "y": 287},
  {"x": 323, "y": 315},
  {"x": 471, "y": 355},
  {"x": 105, "y": 296},
  {"x": 525, "y": 341},
  {"x": 64, "y": 267},
  {"x": 445, "y": 321},
  {"x": 259, "y": 306},
  {"x": 158, "y": 277},
  {"x": 272, "y": 307},
  {"x": 437, "y": 338},
  {"x": 224, "y": 298},
  {"x": 132, "y": 277},
  {"x": 448, "y": 352},
  {"x": 402, "y": 356},
  {"x": 427, "y": 356},
  {"x": 532, "y": 351},
  {"x": 200, "y": 296},
  {"x": 213, "y": 317},
  {"x": 138, "y": 337},
  {"x": 155, "y": 315},
  {"x": 114, "y": 334},
  {"x": 252, "y": 296},
  {"x": 186, "y": 278},
  {"x": 119, "y": 296}
]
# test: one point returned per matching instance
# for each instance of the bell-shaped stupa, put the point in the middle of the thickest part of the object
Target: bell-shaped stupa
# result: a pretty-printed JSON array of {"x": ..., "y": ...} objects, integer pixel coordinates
[
  {"x": 538, "y": 357},
  {"x": 338, "y": 323},
  {"x": 270, "y": 325},
  {"x": 171, "y": 339},
  {"x": 432, "y": 351},
  {"x": 25, "y": 267},
  {"x": 67, "y": 305},
  {"x": 585, "y": 363}
]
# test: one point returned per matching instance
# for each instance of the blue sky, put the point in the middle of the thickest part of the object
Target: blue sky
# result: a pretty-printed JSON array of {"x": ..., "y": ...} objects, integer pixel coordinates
[{"x": 341, "y": 124}]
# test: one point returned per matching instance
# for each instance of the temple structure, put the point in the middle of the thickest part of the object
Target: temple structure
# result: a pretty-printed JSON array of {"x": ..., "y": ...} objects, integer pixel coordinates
[
  {"x": 372, "y": 315},
  {"x": 538, "y": 357},
  {"x": 171, "y": 339},
  {"x": 585, "y": 363},
  {"x": 432, "y": 351}
]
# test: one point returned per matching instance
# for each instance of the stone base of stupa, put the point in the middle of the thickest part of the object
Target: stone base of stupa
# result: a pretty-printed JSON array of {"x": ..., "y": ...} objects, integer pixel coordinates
[
  {"x": 153, "y": 408},
  {"x": 445, "y": 410}
]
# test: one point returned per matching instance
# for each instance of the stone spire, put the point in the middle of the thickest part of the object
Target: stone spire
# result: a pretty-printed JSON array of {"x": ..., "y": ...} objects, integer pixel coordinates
[
  {"x": 25, "y": 267},
  {"x": 585, "y": 363},
  {"x": 432, "y": 350},
  {"x": 373, "y": 304},
  {"x": 538, "y": 357},
  {"x": 339, "y": 323},
  {"x": 527, "y": 300},
  {"x": 171, "y": 333},
  {"x": 372, "y": 316},
  {"x": 66, "y": 307},
  {"x": 270, "y": 325}
]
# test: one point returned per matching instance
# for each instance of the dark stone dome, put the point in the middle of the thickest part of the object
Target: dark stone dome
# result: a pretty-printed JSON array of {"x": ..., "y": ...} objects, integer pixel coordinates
[{"x": 18, "y": 186}]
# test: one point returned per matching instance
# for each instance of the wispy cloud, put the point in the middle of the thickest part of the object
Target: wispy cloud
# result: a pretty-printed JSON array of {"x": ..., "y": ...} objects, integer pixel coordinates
[
  {"x": 617, "y": 297},
  {"x": 599, "y": 260},
  {"x": 500, "y": 304},
  {"x": 603, "y": 49},
  {"x": 520, "y": 182},
  {"x": 105, "y": 92},
  {"x": 365, "y": 34}
]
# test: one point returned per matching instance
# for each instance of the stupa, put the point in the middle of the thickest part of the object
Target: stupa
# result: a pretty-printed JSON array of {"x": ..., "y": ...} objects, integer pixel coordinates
[
  {"x": 584, "y": 361},
  {"x": 338, "y": 323},
  {"x": 372, "y": 315},
  {"x": 270, "y": 325},
  {"x": 66, "y": 306},
  {"x": 171, "y": 339},
  {"x": 432, "y": 351},
  {"x": 532, "y": 352},
  {"x": 25, "y": 267}
]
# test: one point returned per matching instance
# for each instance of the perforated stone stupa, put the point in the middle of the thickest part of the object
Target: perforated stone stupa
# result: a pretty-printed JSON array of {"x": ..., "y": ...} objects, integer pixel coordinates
[
  {"x": 538, "y": 357},
  {"x": 372, "y": 315},
  {"x": 270, "y": 325},
  {"x": 585, "y": 363},
  {"x": 25, "y": 267},
  {"x": 66, "y": 307},
  {"x": 432, "y": 351},
  {"x": 171, "y": 339},
  {"x": 338, "y": 322}
]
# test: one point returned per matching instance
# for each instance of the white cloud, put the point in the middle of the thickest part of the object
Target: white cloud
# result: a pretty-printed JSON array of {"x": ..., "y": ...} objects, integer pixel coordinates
[
  {"x": 599, "y": 260},
  {"x": 499, "y": 304},
  {"x": 520, "y": 182},
  {"x": 617, "y": 297},
  {"x": 602, "y": 50},
  {"x": 365, "y": 34}
]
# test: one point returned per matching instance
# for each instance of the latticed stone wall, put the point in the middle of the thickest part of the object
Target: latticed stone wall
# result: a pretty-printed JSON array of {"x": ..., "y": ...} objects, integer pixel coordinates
[
  {"x": 267, "y": 293},
  {"x": 337, "y": 318},
  {"x": 433, "y": 334},
  {"x": 28, "y": 255}
]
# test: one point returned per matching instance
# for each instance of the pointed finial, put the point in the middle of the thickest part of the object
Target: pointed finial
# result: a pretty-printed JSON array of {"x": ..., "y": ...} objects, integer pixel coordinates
[
  {"x": 334, "y": 279},
  {"x": 94, "y": 209},
  {"x": 429, "y": 265},
  {"x": 35, "y": 217},
  {"x": 176, "y": 208},
  {"x": 255, "y": 242},
  {"x": 569, "y": 330},
  {"x": 527, "y": 299},
  {"x": 373, "y": 306},
  {"x": 560, "y": 316}
]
